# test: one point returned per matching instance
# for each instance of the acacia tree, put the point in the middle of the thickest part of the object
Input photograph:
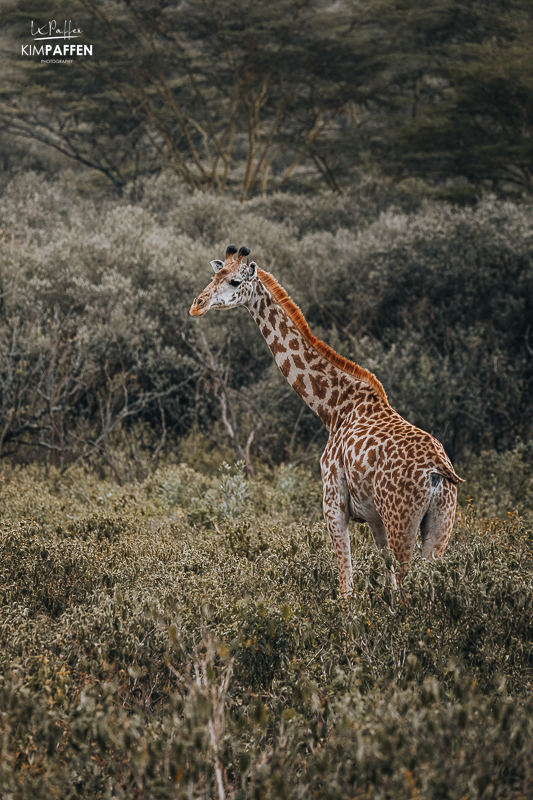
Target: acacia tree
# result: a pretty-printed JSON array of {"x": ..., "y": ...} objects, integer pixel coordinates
[
  {"x": 225, "y": 91},
  {"x": 237, "y": 95},
  {"x": 231, "y": 89}
]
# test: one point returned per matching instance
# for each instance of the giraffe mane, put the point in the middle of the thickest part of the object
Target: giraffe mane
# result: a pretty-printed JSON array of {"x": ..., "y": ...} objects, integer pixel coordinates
[{"x": 294, "y": 312}]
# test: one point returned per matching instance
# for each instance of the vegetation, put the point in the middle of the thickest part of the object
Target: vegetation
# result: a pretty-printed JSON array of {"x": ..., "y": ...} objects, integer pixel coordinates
[
  {"x": 170, "y": 628},
  {"x": 170, "y": 638},
  {"x": 237, "y": 95},
  {"x": 94, "y": 332}
]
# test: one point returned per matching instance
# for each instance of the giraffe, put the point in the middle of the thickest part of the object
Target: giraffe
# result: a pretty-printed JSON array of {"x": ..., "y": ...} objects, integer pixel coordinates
[{"x": 377, "y": 467}]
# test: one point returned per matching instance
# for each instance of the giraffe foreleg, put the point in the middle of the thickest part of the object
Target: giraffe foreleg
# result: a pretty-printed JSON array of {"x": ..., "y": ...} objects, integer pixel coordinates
[{"x": 336, "y": 506}]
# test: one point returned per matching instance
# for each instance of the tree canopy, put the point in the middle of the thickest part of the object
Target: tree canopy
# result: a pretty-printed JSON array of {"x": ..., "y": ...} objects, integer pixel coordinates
[{"x": 235, "y": 94}]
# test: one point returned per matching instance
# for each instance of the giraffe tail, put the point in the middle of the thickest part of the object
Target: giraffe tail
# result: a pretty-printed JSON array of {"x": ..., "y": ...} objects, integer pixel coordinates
[{"x": 448, "y": 472}]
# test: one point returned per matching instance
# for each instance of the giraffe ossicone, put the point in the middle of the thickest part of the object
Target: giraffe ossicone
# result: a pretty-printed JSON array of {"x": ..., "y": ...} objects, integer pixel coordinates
[{"x": 377, "y": 467}]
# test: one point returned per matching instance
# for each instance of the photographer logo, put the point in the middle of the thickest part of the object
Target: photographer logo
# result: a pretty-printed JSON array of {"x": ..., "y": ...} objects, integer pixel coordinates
[{"x": 55, "y": 40}]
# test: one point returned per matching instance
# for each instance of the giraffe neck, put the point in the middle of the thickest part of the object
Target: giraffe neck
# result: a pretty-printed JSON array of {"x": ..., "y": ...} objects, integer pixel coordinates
[{"x": 328, "y": 389}]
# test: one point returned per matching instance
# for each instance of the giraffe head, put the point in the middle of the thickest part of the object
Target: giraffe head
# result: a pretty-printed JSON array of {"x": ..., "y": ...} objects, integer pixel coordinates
[{"x": 233, "y": 284}]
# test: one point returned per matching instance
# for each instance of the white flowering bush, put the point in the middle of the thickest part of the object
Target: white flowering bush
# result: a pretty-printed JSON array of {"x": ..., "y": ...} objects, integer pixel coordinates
[{"x": 95, "y": 333}]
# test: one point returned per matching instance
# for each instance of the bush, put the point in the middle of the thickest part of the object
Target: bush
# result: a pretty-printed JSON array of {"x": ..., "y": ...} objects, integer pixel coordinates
[
  {"x": 95, "y": 330},
  {"x": 149, "y": 651}
]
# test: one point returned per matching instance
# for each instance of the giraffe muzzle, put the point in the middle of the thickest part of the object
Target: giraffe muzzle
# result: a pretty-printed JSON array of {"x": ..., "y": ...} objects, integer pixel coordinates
[{"x": 198, "y": 307}]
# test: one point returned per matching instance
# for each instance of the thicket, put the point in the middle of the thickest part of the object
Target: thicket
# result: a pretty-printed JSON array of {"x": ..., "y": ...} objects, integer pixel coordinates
[
  {"x": 183, "y": 637},
  {"x": 94, "y": 331}
]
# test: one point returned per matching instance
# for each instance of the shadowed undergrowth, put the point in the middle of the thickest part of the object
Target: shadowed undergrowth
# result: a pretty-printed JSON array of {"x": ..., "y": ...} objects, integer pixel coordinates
[{"x": 183, "y": 637}]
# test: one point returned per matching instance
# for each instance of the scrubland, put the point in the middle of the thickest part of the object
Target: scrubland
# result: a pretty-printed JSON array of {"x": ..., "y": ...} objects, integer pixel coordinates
[
  {"x": 170, "y": 628},
  {"x": 175, "y": 636},
  {"x": 437, "y": 300}
]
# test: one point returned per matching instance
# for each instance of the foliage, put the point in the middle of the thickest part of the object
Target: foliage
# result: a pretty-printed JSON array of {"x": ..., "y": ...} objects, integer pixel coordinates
[
  {"x": 222, "y": 92},
  {"x": 501, "y": 482},
  {"x": 242, "y": 97},
  {"x": 470, "y": 99},
  {"x": 95, "y": 332},
  {"x": 145, "y": 651},
  {"x": 234, "y": 492}
]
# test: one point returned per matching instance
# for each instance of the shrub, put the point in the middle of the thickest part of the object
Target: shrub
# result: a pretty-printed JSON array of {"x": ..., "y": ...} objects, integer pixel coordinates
[
  {"x": 147, "y": 652},
  {"x": 95, "y": 330}
]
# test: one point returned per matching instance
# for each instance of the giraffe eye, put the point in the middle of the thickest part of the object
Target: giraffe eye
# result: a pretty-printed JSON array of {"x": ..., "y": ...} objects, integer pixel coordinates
[{"x": 235, "y": 283}]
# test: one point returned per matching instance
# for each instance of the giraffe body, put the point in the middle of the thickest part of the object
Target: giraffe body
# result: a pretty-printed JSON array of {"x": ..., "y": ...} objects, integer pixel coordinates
[
  {"x": 386, "y": 472},
  {"x": 377, "y": 467}
]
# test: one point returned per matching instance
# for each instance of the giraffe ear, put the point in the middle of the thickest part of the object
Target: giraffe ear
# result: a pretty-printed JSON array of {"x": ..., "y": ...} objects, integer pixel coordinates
[
  {"x": 217, "y": 264},
  {"x": 251, "y": 270}
]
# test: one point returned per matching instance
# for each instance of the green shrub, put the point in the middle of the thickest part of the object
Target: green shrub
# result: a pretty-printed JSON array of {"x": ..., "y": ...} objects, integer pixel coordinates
[
  {"x": 143, "y": 650},
  {"x": 95, "y": 331}
]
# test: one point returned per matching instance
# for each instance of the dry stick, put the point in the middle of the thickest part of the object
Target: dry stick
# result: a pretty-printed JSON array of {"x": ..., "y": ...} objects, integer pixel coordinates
[
  {"x": 63, "y": 146},
  {"x": 6, "y": 429},
  {"x": 226, "y": 405},
  {"x": 46, "y": 445},
  {"x": 526, "y": 339},
  {"x": 262, "y": 162},
  {"x": 218, "y": 770},
  {"x": 217, "y": 699},
  {"x": 168, "y": 138},
  {"x": 251, "y": 155},
  {"x": 226, "y": 154},
  {"x": 164, "y": 433},
  {"x": 108, "y": 427},
  {"x": 133, "y": 107},
  {"x": 323, "y": 167},
  {"x": 174, "y": 105},
  {"x": 266, "y": 169},
  {"x": 205, "y": 140},
  {"x": 247, "y": 459},
  {"x": 201, "y": 101},
  {"x": 295, "y": 430},
  {"x": 81, "y": 492},
  {"x": 254, "y": 134},
  {"x": 126, "y": 412},
  {"x": 143, "y": 102}
]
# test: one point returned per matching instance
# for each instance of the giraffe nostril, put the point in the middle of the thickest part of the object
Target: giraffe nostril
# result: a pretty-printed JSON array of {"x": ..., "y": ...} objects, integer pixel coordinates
[{"x": 199, "y": 306}]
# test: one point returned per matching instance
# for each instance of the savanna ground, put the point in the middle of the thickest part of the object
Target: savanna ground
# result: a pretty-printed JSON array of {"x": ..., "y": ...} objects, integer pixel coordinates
[{"x": 170, "y": 628}]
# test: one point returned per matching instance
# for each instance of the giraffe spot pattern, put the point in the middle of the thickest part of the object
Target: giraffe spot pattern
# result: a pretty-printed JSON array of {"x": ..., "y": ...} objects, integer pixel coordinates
[
  {"x": 299, "y": 386},
  {"x": 320, "y": 386},
  {"x": 286, "y": 367},
  {"x": 277, "y": 347}
]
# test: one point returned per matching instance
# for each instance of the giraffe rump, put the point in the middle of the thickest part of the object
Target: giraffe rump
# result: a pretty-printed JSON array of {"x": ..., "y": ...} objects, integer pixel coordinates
[{"x": 447, "y": 471}]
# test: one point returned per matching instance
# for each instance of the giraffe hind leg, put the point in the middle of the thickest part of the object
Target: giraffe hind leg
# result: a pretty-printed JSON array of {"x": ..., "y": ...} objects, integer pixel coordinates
[
  {"x": 436, "y": 527},
  {"x": 403, "y": 544},
  {"x": 379, "y": 534}
]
